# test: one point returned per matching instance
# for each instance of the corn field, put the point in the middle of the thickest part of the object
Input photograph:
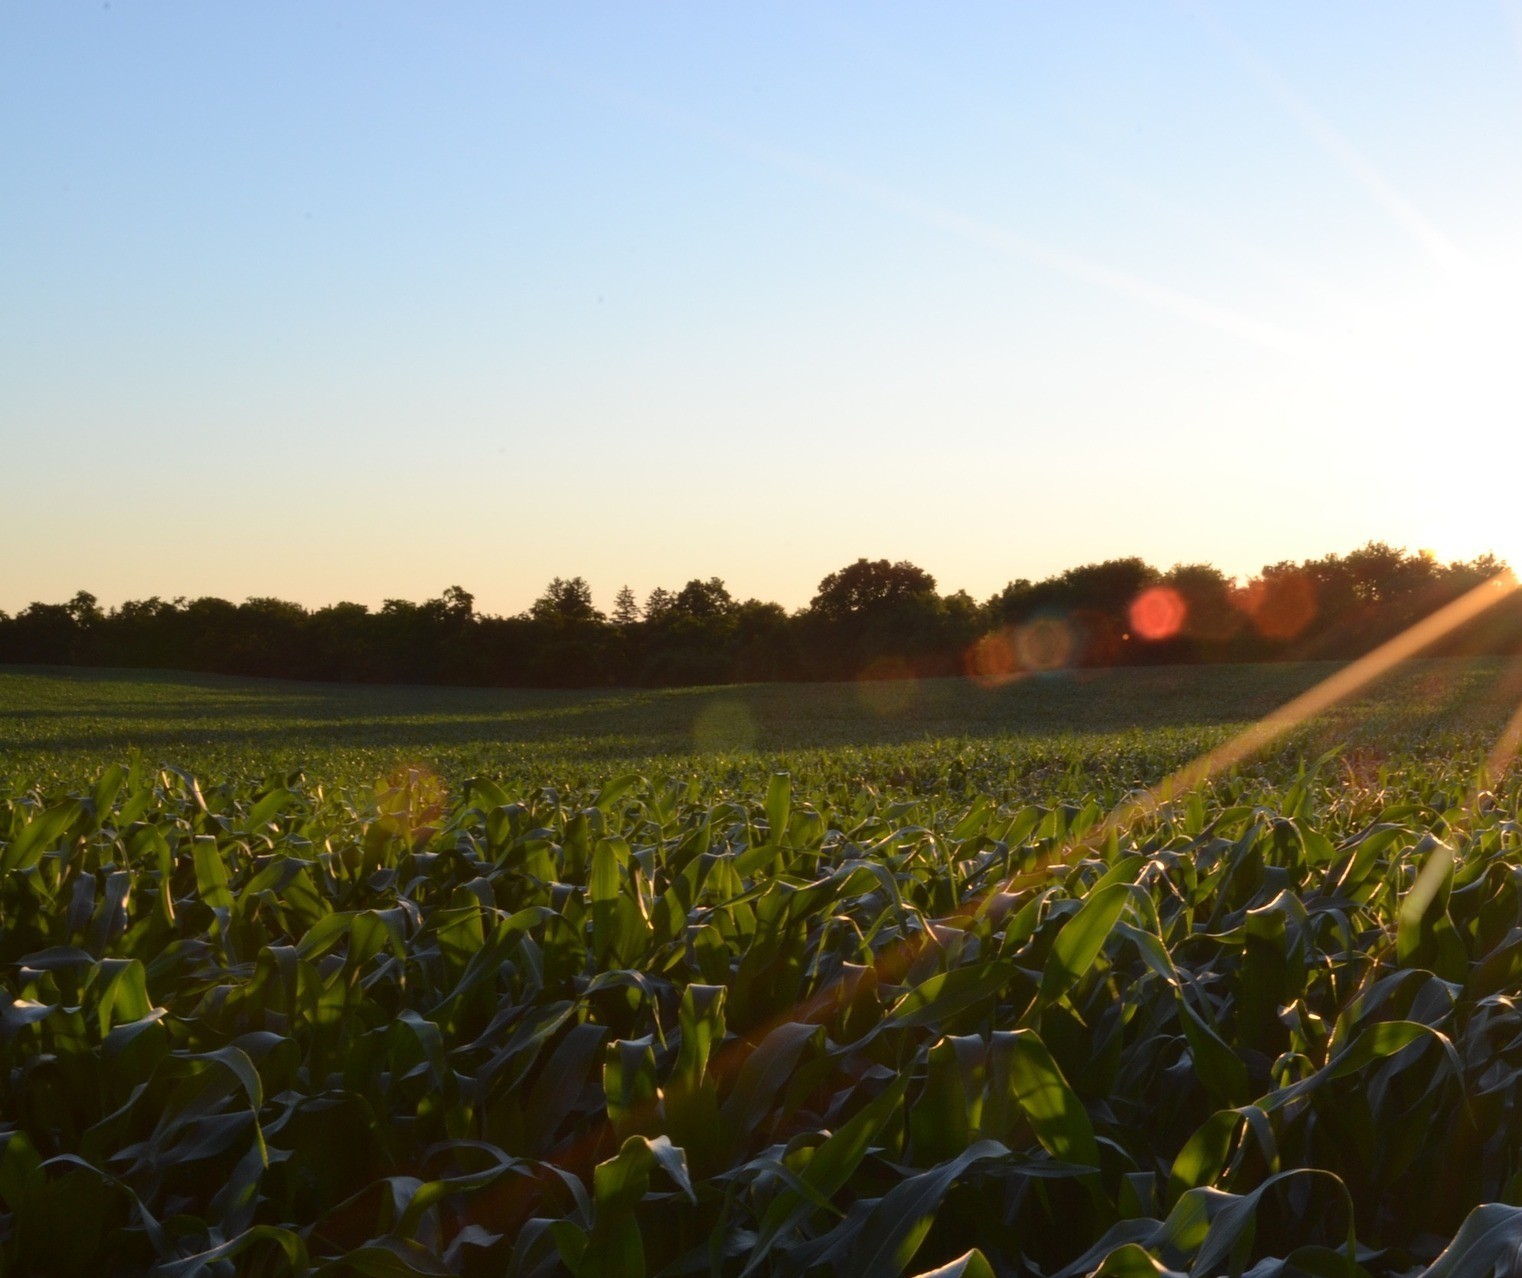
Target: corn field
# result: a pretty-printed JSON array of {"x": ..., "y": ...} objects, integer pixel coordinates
[{"x": 677, "y": 1027}]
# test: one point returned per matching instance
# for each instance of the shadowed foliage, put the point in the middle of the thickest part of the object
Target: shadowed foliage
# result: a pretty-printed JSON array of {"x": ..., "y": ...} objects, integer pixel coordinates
[{"x": 871, "y": 619}]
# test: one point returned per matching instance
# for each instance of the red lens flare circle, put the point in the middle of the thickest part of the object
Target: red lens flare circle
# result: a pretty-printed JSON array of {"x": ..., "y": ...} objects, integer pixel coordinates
[{"x": 1158, "y": 613}]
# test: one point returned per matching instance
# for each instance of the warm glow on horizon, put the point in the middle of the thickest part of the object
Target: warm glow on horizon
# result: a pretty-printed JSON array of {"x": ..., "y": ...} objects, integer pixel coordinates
[{"x": 1446, "y": 355}]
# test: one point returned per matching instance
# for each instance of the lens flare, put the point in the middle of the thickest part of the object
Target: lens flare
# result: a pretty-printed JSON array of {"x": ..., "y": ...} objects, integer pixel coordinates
[
  {"x": 410, "y": 802},
  {"x": 1045, "y": 644},
  {"x": 992, "y": 661},
  {"x": 1158, "y": 613},
  {"x": 893, "y": 962},
  {"x": 887, "y": 686},
  {"x": 1281, "y": 606},
  {"x": 723, "y": 726}
]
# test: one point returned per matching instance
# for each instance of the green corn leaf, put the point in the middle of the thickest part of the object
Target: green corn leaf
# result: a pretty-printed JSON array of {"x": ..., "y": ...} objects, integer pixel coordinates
[
  {"x": 628, "y": 1081},
  {"x": 1080, "y": 941},
  {"x": 779, "y": 802},
  {"x": 972, "y": 1264},
  {"x": 898, "y": 1224},
  {"x": 1056, "y": 1115},
  {"x": 947, "y": 994},
  {"x": 1488, "y": 1243},
  {"x": 39, "y": 834},
  {"x": 829, "y": 1169}
]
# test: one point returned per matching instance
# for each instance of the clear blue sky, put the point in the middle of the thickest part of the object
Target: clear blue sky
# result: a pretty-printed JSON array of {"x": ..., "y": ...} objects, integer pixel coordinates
[{"x": 357, "y": 301}]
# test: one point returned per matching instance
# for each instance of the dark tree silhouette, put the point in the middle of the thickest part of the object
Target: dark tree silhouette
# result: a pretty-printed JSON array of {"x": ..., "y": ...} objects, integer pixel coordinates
[
  {"x": 459, "y": 602},
  {"x": 872, "y": 619},
  {"x": 625, "y": 610},
  {"x": 658, "y": 603},
  {"x": 704, "y": 600},
  {"x": 868, "y": 585},
  {"x": 565, "y": 602}
]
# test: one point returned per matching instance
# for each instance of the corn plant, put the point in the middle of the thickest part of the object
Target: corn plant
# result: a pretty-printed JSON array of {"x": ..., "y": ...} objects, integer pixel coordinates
[{"x": 710, "y": 1025}]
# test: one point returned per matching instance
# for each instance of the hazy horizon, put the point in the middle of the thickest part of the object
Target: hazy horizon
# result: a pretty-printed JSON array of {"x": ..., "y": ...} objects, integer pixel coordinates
[{"x": 604, "y": 600}]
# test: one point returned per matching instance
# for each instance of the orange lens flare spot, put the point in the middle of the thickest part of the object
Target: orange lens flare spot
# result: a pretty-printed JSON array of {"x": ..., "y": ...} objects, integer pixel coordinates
[
  {"x": 1158, "y": 613},
  {"x": 1281, "y": 606},
  {"x": 993, "y": 661},
  {"x": 410, "y": 802},
  {"x": 1044, "y": 644}
]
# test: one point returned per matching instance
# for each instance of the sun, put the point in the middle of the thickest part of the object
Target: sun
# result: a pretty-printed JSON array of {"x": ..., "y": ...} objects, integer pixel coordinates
[
  {"x": 1444, "y": 358},
  {"x": 1476, "y": 511}
]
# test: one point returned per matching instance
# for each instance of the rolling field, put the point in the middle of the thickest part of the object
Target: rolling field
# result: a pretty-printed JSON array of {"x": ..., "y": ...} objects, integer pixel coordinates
[
  {"x": 838, "y": 979},
  {"x": 71, "y": 723}
]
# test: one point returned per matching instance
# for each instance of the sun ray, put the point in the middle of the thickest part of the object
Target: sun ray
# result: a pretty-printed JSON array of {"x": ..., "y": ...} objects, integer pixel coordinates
[
  {"x": 1337, "y": 687},
  {"x": 1430, "y": 879},
  {"x": 894, "y": 960},
  {"x": 1074, "y": 265},
  {"x": 1512, "y": 10},
  {"x": 1331, "y": 140},
  {"x": 1189, "y": 218},
  {"x": 1506, "y": 747}
]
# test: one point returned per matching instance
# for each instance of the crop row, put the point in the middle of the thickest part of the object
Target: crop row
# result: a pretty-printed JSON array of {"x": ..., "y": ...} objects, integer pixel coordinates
[{"x": 659, "y": 1027}]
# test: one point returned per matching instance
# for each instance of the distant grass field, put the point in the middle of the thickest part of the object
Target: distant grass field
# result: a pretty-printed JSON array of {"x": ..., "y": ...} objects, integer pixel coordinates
[{"x": 69, "y": 723}]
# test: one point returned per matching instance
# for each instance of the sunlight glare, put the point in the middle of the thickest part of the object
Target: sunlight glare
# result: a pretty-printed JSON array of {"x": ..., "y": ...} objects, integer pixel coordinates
[{"x": 1441, "y": 377}]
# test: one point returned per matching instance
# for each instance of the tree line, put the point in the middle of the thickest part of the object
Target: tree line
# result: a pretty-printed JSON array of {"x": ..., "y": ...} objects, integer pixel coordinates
[{"x": 869, "y": 619}]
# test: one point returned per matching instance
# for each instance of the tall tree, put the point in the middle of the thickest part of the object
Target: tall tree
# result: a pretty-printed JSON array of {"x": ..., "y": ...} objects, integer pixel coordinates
[
  {"x": 658, "y": 603},
  {"x": 565, "y": 602},
  {"x": 459, "y": 602},
  {"x": 704, "y": 599},
  {"x": 625, "y": 610},
  {"x": 868, "y": 585}
]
